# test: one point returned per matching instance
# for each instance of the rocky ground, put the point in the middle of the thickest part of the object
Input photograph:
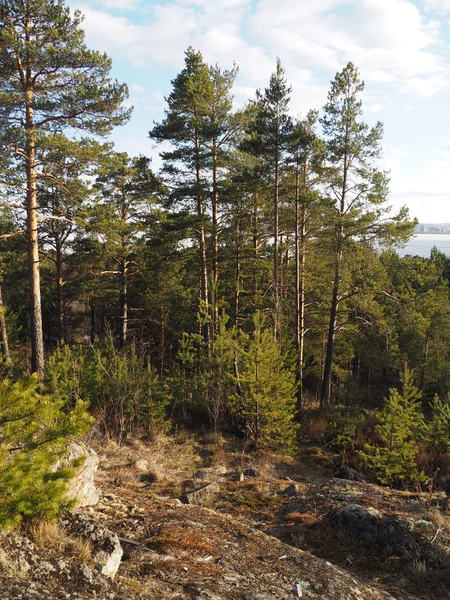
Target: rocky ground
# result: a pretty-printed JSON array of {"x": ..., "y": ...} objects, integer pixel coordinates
[{"x": 182, "y": 519}]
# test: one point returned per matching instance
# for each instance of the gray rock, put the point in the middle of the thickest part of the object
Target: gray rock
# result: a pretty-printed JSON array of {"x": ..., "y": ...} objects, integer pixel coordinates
[
  {"x": 359, "y": 521},
  {"x": 82, "y": 486},
  {"x": 106, "y": 549},
  {"x": 202, "y": 475},
  {"x": 86, "y": 573},
  {"x": 291, "y": 490},
  {"x": 203, "y": 495},
  {"x": 391, "y": 535},
  {"x": 345, "y": 472},
  {"x": 141, "y": 465}
]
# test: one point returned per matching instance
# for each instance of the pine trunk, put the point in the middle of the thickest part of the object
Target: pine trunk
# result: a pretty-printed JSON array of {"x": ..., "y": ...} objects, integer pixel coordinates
[
  {"x": 37, "y": 340},
  {"x": 300, "y": 260},
  {"x": 215, "y": 248},
  {"x": 276, "y": 258},
  {"x": 237, "y": 274},
  {"x": 59, "y": 294},
  {"x": 123, "y": 301},
  {"x": 5, "y": 345},
  {"x": 202, "y": 242}
]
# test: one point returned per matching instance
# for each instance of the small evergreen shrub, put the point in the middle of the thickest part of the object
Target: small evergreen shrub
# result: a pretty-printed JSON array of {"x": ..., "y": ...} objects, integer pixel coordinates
[
  {"x": 265, "y": 397},
  {"x": 439, "y": 432},
  {"x": 123, "y": 387},
  {"x": 401, "y": 428},
  {"x": 35, "y": 430}
]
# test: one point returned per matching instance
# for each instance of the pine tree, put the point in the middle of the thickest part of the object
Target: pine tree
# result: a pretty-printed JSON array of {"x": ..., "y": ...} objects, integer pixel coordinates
[
  {"x": 268, "y": 137},
  {"x": 400, "y": 428},
  {"x": 357, "y": 188},
  {"x": 127, "y": 188},
  {"x": 266, "y": 398},
  {"x": 35, "y": 430},
  {"x": 187, "y": 127},
  {"x": 306, "y": 156},
  {"x": 49, "y": 83},
  {"x": 439, "y": 433}
]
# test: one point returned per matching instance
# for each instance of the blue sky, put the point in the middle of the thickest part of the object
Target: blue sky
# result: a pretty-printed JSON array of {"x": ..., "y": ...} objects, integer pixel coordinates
[{"x": 401, "y": 47}]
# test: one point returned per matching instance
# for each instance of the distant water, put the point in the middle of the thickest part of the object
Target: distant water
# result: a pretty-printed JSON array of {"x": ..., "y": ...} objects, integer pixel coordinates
[{"x": 422, "y": 243}]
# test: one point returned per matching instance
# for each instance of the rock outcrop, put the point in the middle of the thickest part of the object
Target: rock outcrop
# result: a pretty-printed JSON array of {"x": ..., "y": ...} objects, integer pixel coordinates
[
  {"x": 82, "y": 487},
  {"x": 106, "y": 549}
]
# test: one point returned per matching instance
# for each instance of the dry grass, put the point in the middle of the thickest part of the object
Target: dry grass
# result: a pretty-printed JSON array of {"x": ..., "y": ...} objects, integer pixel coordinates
[
  {"x": 184, "y": 540},
  {"x": 168, "y": 459},
  {"x": 300, "y": 518},
  {"x": 80, "y": 549},
  {"x": 48, "y": 535}
]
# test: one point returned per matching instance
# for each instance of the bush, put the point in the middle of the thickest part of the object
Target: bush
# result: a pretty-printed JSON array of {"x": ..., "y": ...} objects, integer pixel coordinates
[
  {"x": 34, "y": 433},
  {"x": 125, "y": 389},
  {"x": 400, "y": 429},
  {"x": 265, "y": 400},
  {"x": 121, "y": 386}
]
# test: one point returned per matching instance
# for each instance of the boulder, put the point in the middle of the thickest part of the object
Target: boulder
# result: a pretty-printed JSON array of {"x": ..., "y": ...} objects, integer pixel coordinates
[
  {"x": 290, "y": 491},
  {"x": 345, "y": 472},
  {"x": 391, "y": 535},
  {"x": 203, "y": 495},
  {"x": 106, "y": 549},
  {"x": 82, "y": 487}
]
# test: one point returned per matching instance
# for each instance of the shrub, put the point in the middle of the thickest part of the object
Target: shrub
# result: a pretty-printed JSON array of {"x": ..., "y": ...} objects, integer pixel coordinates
[
  {"x": 400, "y": 429},
  {"x": 120, "y": 385},
  {"x": 265, "y": 400},
  {"x": 123, "y": 386},
  {"x": 34, "y": 434},
  {"x": 439, "y": 435}
]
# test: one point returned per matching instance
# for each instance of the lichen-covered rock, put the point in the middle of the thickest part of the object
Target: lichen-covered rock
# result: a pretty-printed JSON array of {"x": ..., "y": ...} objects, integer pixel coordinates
[
  {"x": 203, "y": 495},
  {"x": 31, "y": 572},
  {"x": 82, "y": 487},
  {"x": 107, "y": 551}
]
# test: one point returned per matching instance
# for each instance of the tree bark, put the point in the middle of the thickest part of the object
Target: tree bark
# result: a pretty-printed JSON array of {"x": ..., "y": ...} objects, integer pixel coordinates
[
  {"x": 5, "y": 345},
  {"x": 123, "y": 301},
  {"x": 215, "y": 248},
  {"x": 237, "y": 289},
  {"x": 59, "y": 294},
  {"x": 300, "y": 260},
  {"x": 202, "y": 243},
  {"x": 276, "y": 276},
  {"x": 37, "y": 340}
]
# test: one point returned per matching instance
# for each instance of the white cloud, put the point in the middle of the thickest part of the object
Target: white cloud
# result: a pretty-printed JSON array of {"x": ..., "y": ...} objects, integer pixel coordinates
[
  {"x": 137, "y": 88},
  {"x": 117, "y": 4},
  {"x": 389, "y": 39},
  {"x": 376, "y": 107},
  {"x": 398, "y": 152},
  {"x": 437, "y": 5},
  {"x": 391, "y": 164}
]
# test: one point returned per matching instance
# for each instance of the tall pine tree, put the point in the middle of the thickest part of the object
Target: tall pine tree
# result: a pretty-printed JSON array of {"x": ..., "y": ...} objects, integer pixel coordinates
[{"x": 49, "y": 83}]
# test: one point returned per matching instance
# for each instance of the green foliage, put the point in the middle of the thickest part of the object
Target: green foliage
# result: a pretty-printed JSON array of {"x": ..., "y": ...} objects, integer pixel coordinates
[
  {"x": 125, "y": 389},
  {"x": 439, "y": 430},
  {"x": 64, "y": 373},
  {"x": 265, "y": 400},
  {"x": 204, "y": 378},
  {"x": 35, "y": 430},
  {"x": 342, "y": 432},
  {"x": 400, "y": 429}
]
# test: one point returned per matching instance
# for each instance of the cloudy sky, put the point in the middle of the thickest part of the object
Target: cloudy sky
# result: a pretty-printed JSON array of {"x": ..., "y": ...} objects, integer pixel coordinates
[{"x": 401, "y": 47}]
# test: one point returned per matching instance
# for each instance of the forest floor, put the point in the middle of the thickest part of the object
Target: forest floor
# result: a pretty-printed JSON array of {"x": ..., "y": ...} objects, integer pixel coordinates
[
  {"x": 404, "y": 552},
  {"x": 258, "y": 526}
]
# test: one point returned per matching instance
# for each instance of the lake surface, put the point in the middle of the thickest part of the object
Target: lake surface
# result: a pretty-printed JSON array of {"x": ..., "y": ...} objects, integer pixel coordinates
[{"x": 422, "y": 243}]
